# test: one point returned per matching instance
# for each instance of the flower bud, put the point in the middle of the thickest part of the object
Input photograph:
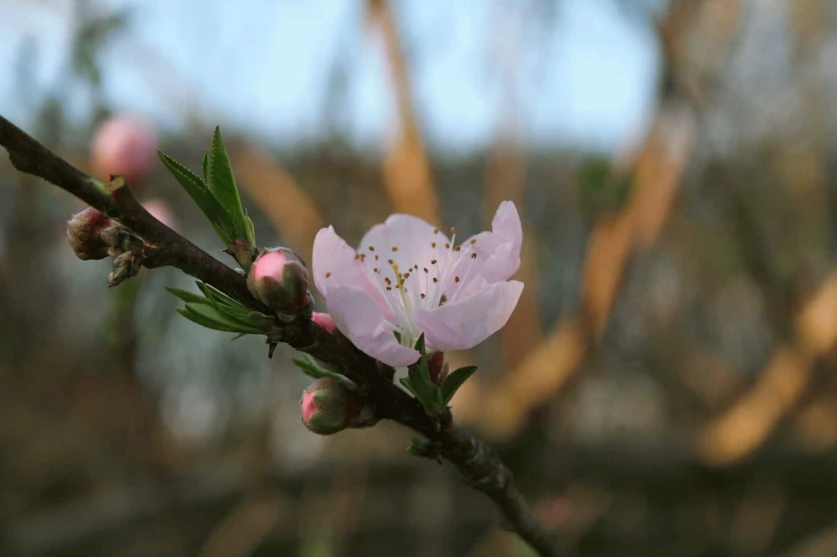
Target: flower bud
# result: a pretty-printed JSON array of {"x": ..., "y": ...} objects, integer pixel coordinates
[
  {"x": 325, "y": 321},
  {"x": 279, "y": 279},
  {"x": 124, "y": 146},
  {"x": 87, "y": 233},
  {"x": 329, "y": 405}
]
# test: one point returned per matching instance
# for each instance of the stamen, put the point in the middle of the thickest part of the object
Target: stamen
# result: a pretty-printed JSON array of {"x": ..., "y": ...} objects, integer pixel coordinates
[
  {"x": 455, "y": 279},
  {"x": 328, "y": 275},
  {"x": 371, "y": 248},
  {"x": 394, "y": 248},
  {"x": 473, "y": 256},
  {"x": 473, "y": 240}
]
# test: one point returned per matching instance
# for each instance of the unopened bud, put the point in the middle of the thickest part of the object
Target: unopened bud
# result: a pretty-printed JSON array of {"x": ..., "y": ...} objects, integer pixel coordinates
[
  {"x": 88, "y": 233},
  {"x": 330, "y": 405},
  {"x": 279, "y": 280},
  {"x": 124, "y": 146},
  {"x": 324, "y": 320}
]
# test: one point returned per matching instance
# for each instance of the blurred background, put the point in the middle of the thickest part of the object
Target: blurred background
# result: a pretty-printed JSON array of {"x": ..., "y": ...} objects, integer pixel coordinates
[{"x": 666, "y": 386}]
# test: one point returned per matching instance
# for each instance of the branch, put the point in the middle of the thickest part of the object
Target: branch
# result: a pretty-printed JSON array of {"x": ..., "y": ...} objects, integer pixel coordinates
[{"x": 480, "y": 466}]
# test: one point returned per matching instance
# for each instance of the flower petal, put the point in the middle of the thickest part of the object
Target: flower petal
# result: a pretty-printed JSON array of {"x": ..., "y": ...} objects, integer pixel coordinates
[
  {"x": 334, "y": 263},
  {"x": 359, "y": 318},
  {"x": 407, "y": 241},
  {"x": 465, "y": 323},
  {"x": 505, "y": 260}
]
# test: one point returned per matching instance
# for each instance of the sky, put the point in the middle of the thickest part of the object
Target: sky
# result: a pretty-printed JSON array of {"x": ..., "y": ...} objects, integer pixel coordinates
[{"x": 581, "y": 74}]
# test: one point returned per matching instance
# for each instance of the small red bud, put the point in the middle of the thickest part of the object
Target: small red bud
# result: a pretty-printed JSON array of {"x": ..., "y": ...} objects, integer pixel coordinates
[
  {"x": 436, "y": 367},
  {"x": 88, "y": 233},
  {"x": 278, "y": 278},
  {"x": 325, "y": 321}
]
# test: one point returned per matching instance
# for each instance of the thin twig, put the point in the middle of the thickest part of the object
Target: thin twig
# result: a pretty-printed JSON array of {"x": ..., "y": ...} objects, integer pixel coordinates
[{"x": 480, "y": 466}]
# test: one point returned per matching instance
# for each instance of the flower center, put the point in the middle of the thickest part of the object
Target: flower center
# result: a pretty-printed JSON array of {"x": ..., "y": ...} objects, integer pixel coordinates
[{"x": 420, "y": 277}]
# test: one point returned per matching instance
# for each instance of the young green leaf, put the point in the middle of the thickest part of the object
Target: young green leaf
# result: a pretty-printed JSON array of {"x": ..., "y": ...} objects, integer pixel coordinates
[
  {"x": 312, "y": 369},
  {"x": 206, "y": 201},
  {"x": 203, "y": 321},
  {"x": 185, "y": 295},
  {"x": 222, "y": 184},
  {"x": 455, "y": 380},
  {"x": 205, "y": 166},
  {"x": 222, "y": 320}
]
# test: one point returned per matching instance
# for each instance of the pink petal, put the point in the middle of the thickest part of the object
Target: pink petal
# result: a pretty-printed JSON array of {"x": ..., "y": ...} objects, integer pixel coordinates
[
  {"x": 407, "y": 241},
  {"x": 505, "y": 261},
  {"x": 362, "y": 321},
  {"x": 467, "y": 322},
  {"x": 334, "y": 263}
]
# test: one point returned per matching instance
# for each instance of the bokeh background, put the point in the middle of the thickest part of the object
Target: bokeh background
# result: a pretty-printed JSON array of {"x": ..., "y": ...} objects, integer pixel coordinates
[{"x": 666, "y": 386}]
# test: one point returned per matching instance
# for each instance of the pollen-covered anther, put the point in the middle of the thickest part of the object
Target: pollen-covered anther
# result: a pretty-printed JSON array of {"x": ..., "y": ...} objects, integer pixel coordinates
[
  {"x": 371, "y": 248},
  {"x": 473, "y": 256},
  {"x": 394, "y": 248}
]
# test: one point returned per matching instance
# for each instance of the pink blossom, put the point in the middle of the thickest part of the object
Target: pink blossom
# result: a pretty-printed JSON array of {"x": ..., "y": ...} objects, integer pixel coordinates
[
  {"x": 409, "y": 278},
  {"x": 124, "y": 146}
]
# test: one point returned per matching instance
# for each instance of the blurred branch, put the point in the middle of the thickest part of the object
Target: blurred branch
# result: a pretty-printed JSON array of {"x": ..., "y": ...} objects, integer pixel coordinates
[
  {"x": 290, "y": 210},
  {"x": 406, "y": 167},
  {"x": 657, "y": 172},
  {"x": 480, "y": 466},
  {"x": 745, "y": 426}
]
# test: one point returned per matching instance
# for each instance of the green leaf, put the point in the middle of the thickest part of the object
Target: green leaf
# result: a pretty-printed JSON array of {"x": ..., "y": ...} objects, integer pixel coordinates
[
  {"x": 222, "y": 320},
  {"x": 455, "y": 380},
  {"x": 312, "y": 369},
  {"x": 205, "y": 165},
  {"x": 251, "y": 229},
  {"x": 420, "y": 384},
  {"x": 185, "y": 295},
  {"x": 203, "y": 321},
  {"x": 220, "y": 219},
  {"x": 221, "y": 182}
]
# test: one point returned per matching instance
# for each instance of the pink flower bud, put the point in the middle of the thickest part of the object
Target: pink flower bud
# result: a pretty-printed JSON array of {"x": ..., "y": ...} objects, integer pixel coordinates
[
  {"x": 325, "y": 321},
  {"x": 124, "y": 146},
  {"x": 329, "y": 405},
  {"x": 279, "y": 279},
  {"x": 87, "y": 231}
]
